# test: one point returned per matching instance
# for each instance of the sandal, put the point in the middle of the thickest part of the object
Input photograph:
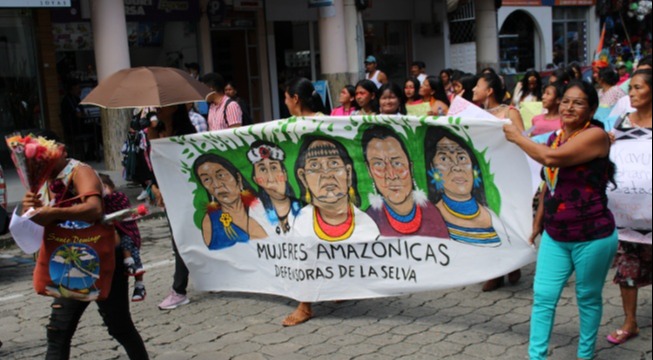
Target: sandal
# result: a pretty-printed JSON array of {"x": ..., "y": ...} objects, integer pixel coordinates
[
  {"x": 620, "y": 336},
  {"x": 299, "y": 316},
  {"x": 493, "y": 284}
]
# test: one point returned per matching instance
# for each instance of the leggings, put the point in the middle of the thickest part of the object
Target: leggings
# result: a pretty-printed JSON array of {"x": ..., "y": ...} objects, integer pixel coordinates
[
  {"x": 114, "y": 310},
  {"x": 556, "y": 262}
]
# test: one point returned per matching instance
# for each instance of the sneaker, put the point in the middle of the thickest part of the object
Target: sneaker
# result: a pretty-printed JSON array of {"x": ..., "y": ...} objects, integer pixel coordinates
[
  {"x": 139, "y": 294},
  {"x": 143, "y": 195},
  {"x": 173, "y": 301},
  {"x": 134, "y": 270}
]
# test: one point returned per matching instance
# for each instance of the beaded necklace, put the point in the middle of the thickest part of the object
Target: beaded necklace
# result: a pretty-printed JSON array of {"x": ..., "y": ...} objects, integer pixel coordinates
[
  {"x": 333, "y": 233},
  {"x": 408, "y": 224},
  {"x": 551, "y": 173},
  {"x": 466, "y": 210}
]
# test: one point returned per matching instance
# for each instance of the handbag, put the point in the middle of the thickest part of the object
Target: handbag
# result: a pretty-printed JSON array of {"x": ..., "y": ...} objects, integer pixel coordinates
[{"x": 76, "y": 260}]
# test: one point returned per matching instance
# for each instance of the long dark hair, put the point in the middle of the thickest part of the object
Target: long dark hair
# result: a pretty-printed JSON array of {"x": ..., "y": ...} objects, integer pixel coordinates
[
  {"x": 342, "y": 152},
  {"x": 433, "y": 136},
  {"x": 181, "y": 124},
  {"x": 438, "y": 88},
  {"x": 494, "y": 82},
  {"x": 262, "y": 194},
  {"x": 468, "y": 82},
  {"x": 217, "y": 159},
  {"x": 609, "y": 76},
  {"x": 370, "y": 87},
  {"x": 305, "y": 91},
  {"x": 537, "y": 91},
  {"x": 416, "y": 84},
  {"x": 593, "y": 102},
  {"x": 399, "y": 93}
]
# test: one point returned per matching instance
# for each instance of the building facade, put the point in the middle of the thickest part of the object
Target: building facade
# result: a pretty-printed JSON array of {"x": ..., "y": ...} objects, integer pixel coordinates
[{"x": 259, "y": 45}]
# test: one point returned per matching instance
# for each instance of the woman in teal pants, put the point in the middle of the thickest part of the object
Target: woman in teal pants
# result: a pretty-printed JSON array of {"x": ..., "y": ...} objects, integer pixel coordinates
[{"x": 578, "y": 230}]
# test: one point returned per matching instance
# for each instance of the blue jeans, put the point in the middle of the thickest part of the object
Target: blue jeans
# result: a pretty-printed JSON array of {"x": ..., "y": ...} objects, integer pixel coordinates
[{"x": 556, "y": 262}]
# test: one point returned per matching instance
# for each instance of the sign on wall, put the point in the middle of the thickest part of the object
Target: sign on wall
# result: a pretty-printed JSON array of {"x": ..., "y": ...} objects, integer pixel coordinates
[{"x": 35, "y": 3}]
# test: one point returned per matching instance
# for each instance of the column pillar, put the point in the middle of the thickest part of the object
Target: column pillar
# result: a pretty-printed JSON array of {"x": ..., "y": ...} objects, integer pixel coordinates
[
  {"x": 333, "y": 47},
  {"x": 204, "y": 29},
  {"x": 487, "y": 35},
  {"x": 111, "y": 55},
  {"x": 355, "y": 40}
]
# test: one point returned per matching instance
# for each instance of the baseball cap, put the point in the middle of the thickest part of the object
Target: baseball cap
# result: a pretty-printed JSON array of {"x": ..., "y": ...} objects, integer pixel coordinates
[{"x": 370, "y": 60}]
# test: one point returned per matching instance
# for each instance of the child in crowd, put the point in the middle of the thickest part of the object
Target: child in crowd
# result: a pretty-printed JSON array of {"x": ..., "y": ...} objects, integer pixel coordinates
[{"x": 130, "y": 236}]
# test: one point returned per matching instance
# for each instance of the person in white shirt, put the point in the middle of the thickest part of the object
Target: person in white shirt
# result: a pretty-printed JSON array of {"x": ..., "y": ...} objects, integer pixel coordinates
[{"x": 373, "y": 74}]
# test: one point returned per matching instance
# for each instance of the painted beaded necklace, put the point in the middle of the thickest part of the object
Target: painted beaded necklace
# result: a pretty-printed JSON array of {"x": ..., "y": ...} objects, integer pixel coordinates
[
  {"x": 466, "y": 210},
  {"x": 408, "y": 224},
  {"x": 333, "y": 233}
]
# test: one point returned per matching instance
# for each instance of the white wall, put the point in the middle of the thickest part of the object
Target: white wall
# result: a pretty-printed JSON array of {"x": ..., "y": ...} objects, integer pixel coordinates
[
  {"x": 463, "y": 56},
  {"x": 433, "y": 50},
  {"x": 542, "y": 16}
]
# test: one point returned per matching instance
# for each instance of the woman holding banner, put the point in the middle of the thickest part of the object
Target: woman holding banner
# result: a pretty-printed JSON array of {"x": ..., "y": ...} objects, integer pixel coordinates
[
  {"x": 633, "y": 260},
  {"x": 302, "y": 100},
  {"x": 578, "y": 230}
]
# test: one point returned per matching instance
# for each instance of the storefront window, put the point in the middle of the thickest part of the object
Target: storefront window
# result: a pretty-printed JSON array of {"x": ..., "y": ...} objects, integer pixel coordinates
[
  {"x": 20, "y": 93},
  {"x": 569, "y": 35},
  {"x": 389, "y": 42}
]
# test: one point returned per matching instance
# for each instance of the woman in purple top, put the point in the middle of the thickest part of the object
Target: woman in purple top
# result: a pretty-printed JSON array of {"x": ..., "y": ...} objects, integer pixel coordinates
[
  {"x": 397, "y": 207},
  {"x": 579, "y": 233}
]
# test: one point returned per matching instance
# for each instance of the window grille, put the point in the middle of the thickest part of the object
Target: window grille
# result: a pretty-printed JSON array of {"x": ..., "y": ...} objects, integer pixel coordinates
[{"x": 462, "y": 24}]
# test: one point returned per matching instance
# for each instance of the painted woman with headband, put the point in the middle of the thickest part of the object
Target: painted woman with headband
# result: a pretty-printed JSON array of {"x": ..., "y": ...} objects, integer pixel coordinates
[{"x": 278, "y": 201}]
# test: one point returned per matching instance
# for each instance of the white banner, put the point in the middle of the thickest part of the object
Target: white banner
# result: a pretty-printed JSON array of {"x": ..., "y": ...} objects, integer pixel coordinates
[
  {"x": 631, "y": 200},
  {"x": 347, "y": 208}
]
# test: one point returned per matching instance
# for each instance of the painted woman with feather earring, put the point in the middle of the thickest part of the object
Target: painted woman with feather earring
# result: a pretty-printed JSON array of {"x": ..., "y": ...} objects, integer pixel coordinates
[
  {"x": 456, "y": 189},
  {"x": 227, "y": 220},
  {"x": 397, "y": 206},
  {"x": 278, "y": 201}
]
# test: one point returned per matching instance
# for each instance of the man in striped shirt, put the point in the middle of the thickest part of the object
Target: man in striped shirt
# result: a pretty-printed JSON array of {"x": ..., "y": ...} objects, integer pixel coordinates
[{"x": 224, "y": 113}]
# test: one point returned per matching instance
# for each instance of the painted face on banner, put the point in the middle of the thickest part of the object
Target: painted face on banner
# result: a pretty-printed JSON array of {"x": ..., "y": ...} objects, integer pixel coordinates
[
  {"x": 219, "y": 182},
  {"x": 271, "y": 177},
  {"x": 390, "y": 169},
  {"x": 455, "y": 165},
  {"x": 326, "y": 175}
]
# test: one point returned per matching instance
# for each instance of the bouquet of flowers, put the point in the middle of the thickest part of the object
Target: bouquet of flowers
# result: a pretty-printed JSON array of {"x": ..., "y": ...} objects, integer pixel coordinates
[
  {"x": 35, "y": 158},
  {"x": 131, "y": 214}
]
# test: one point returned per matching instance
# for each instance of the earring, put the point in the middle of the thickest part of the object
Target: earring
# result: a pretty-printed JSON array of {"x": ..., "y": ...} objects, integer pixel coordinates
[
  {"x": 213, "y": 202},
  {"x": 352, "y": 194},
  {"x": 436, "y": 179},
  {"x": 308, "y": 197},
  {"x": 477, "y": 178}
]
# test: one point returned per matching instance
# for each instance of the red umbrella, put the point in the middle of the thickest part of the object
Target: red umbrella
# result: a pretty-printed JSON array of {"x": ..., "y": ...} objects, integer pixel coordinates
[{"x": 146, "y": 86}]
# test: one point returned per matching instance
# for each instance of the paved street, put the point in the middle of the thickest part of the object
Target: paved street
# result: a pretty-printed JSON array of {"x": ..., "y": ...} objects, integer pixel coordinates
[{"x": 461, "y": 323}]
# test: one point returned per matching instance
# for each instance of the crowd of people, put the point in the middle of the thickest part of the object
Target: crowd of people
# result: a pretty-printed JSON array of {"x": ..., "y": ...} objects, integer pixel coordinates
[{"x": 578, "y": 232}]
